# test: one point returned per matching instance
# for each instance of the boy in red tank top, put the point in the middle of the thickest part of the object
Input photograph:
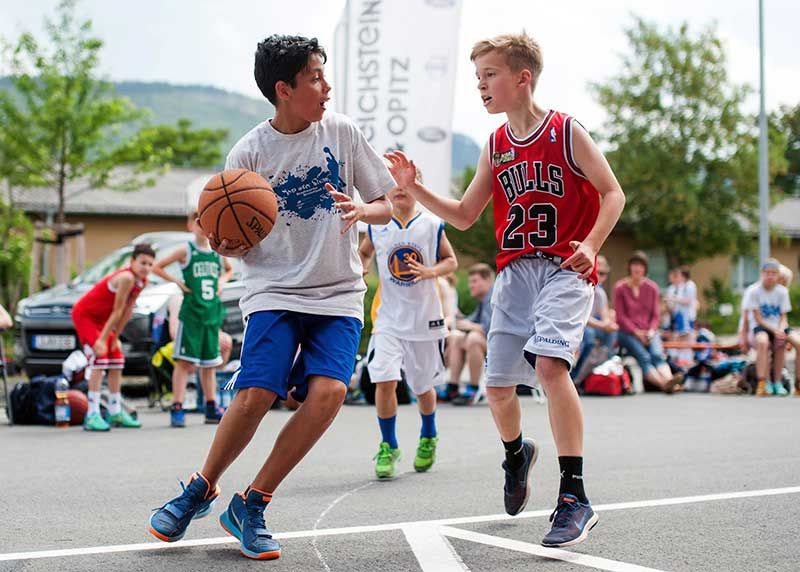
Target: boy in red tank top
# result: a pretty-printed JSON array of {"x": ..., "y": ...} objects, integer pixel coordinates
[
  {"x": 99, "y": 317},
  {"x": 555, "y": 202}
]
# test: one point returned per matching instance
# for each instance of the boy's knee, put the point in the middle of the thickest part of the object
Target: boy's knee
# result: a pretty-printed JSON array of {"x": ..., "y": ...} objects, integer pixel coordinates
[
  {"x": 500, "y": 395},
  {"x": 255, "y": 401},
  {"x": 328, "y": 392},
  {"x": 550, "y": 368}
]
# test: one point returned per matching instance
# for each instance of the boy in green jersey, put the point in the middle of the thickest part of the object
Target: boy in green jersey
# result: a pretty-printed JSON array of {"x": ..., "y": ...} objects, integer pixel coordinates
[{"x": 204, "y": 272}]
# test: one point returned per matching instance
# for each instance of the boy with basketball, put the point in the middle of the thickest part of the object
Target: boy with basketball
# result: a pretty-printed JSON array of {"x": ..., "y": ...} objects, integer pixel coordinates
[
  {"x": 546, "y": 178},
  {"x": 303, "y": 287},
  {"x": 99, "y": 317},
  {"x": 204, "y": 273},
  {"x": 408, "y": 322}
]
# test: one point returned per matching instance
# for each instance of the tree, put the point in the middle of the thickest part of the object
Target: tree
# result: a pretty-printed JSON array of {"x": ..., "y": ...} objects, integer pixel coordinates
[
  {"x": 478, "y": 241},
  {"x": 680, "y": 145},
  {"x": 179, "y": 144},
  {"x": 788, "y": 120},
  {"x": 62, "y": 126},
  {"x": 16, "y": 236}
]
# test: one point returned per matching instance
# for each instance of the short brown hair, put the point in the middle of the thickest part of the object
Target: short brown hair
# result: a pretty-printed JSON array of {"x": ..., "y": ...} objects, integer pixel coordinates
[
  {"x": 143, "y": 249},
  {"x": 639, "y": 257},
  {"x": 520, "y": 50},
  {"x": 484, "y": 270}
]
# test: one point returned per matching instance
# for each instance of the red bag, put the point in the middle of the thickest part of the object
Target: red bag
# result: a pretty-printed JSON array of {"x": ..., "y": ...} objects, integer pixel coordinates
[{"x": 611, "y": 384}]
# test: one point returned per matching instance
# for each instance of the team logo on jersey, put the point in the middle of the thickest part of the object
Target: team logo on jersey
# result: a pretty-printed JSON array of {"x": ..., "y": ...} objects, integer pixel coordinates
[
  {"x": 502, "y": 158},
  {"x": 399, "y": 261},
  {"x": 552, "y": 135}
]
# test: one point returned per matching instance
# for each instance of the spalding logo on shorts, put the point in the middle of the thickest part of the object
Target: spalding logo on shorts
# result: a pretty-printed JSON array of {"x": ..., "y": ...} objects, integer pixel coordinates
[{"x": 398, "y": 262}]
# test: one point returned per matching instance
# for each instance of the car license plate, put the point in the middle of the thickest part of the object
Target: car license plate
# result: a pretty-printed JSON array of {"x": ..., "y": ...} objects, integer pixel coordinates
[{"x": 54, "y": 342}]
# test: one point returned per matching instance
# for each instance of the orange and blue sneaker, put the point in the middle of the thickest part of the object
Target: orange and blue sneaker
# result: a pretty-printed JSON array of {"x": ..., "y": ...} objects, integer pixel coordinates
[
  {"x": 572, "y": 520},
  {"x": 169, "y": 523},
  {"x": 244, "y": 519}
]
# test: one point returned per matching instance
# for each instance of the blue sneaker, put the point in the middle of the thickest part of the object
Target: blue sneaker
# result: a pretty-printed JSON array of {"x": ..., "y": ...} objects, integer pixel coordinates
[
  {"x": 572, "y": 521},
  {"x": 244, "y": 519},
  {"x": 169, "y": 523},
  {"x": 517, "y": 488},
  {"x": 177, "y": 417}
]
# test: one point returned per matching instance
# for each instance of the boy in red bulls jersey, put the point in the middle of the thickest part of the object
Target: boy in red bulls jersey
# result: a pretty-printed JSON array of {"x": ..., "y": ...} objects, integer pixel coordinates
[
  {"x": 555, "y": 202},
  {"x": 99, "y": 317}
]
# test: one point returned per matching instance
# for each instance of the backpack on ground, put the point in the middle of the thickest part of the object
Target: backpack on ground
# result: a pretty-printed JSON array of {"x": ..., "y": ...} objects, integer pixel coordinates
[{"x": 609, "y": 378}]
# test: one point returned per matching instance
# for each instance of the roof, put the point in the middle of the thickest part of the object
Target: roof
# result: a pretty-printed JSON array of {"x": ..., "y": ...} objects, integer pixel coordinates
[
  {"x": 785, "y": 216},
  {"x": 170, "y": 196}
]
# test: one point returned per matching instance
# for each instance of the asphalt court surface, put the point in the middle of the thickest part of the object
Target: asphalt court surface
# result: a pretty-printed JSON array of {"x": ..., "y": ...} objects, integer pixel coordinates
[{"x": 686, "y": 482}]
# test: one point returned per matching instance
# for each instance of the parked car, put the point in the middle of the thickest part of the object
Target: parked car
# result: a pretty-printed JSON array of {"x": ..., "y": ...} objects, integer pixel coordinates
[{"x": 46, "y": 335}]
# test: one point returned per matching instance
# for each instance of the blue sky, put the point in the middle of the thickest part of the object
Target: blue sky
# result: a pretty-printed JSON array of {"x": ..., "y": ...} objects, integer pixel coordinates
[{"x": 211, "y": 42}]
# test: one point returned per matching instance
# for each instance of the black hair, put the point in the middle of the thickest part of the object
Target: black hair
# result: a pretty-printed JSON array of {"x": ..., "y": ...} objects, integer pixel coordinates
[
  {"x": 281, "y": 58},
  {"x": 143, "y": 248}
]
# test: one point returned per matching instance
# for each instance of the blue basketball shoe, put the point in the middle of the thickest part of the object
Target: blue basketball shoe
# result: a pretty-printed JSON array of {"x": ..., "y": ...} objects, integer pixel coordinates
[
  {"x": 169, "y": 523},
  {"x": 244, "y": 519},
  {"x": 572, "y": 521}
]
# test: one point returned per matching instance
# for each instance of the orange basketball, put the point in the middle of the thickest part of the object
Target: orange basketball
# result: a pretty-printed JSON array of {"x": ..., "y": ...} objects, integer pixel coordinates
[
  {"x": 238, "y": 206},
  {"x": 78, "y": 406}
]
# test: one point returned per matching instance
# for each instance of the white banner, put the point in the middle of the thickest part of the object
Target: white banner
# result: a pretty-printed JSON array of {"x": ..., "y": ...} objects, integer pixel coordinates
[{"x": 395, "y": 65}]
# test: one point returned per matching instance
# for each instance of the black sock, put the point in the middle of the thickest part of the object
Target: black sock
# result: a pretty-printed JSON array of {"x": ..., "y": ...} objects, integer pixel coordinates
[
  {"x": 452, "y": 388},
  {"x": 514, "y": 456},
  {"x": 177, "y": 406},
  {"x": 572, "y": 477},
  {"x": 211, "y": 406}
]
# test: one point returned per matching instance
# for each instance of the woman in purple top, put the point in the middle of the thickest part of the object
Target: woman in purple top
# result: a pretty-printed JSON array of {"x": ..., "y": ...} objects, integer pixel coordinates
[{"x": 636, "y": 301}]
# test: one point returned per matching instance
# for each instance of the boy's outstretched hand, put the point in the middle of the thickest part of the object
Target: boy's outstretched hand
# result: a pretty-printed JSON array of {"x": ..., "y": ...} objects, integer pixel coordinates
[
  {"x": 353, "y": 211},
  {"x": 402, "y": 169},
  {"x": 581, "y": 261}
]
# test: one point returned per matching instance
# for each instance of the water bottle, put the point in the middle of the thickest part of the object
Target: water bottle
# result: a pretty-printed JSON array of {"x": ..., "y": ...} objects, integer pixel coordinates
[{"x": 62, "y": 403}]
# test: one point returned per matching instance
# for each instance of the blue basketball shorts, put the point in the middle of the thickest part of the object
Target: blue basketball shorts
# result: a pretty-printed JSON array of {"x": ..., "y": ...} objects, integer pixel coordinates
[{"x": 327, "y": 346}]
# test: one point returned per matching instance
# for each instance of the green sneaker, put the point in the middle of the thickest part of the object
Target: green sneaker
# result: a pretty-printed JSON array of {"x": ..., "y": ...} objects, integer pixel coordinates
[
  {"x": 124, "y": 419},
  {"x": 778, "y": 389},
  {"x": 386, "y": 461},
  {"x": 95, "y": 422},
  {"x": 426, "y": 454}
]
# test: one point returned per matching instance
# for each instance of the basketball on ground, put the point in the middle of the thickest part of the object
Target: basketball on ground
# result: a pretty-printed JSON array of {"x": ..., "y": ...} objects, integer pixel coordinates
[
  {"x": 239, "y": 206},
  {"x": 78, "y": 406}
]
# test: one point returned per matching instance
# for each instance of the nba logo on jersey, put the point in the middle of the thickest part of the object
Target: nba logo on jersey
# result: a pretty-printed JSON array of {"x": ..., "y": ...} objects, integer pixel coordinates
[
  {"x": 399, "y": 258},
  {"x": 552, "y": 135}
]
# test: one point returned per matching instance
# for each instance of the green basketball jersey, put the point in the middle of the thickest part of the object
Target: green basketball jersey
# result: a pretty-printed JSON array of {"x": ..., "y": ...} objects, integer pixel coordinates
[{"x": 201, "y": 275}]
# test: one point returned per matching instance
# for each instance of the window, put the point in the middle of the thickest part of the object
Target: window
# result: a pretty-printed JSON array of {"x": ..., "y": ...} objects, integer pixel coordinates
[
  {"x": 744, "y": 272},
  {"x": 657, "y": 268}
]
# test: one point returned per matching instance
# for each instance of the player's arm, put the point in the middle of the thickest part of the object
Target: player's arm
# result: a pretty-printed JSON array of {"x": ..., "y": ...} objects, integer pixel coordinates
[
  {"x": 225, "y": 277},
  {"x": 173, "y": 311},
  {"x": 366, "y": 252},
  {"x": 447, "y": 262},
  {"x": 5, "y": 319},
  {"x": 124, "y": 284},
  {"x": 612, "y": 200},
  {"x": 461, "y": 214},
  {"x": 378, "y": 211},
  {"x": 178, "y": 255}
]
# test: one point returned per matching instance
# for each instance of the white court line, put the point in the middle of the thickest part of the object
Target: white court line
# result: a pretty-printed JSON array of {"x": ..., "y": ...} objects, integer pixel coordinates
[
  {"x": 552, "y": 553},
  {"x": 394, "y": 526},
  {"x": 432, "y": 550}
]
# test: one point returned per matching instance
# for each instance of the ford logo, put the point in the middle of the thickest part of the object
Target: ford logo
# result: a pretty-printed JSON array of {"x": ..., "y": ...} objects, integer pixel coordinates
[{"x": 432, "y": 134}]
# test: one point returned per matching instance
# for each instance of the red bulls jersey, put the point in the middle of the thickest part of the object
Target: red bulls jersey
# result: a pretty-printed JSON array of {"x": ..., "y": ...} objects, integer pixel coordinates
[
  {"x": 542, "y": 200},
  {"x": 98, "y": 303}
]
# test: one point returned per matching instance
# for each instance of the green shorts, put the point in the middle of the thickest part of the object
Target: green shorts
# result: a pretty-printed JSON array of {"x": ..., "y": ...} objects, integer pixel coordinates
[{"x": 198, "y": 344}]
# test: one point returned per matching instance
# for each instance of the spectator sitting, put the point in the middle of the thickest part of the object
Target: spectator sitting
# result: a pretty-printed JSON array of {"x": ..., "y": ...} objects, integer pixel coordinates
[
  {"x": 766, "y": 305},
  {"x": 636, "y": 301},
  {"x": 681, "y": 301},
  {"x": 602, "y": 325},
  {"x": 467, "y": 342}
]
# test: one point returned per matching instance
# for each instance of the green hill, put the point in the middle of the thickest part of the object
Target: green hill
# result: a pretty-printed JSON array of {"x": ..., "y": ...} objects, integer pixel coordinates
[{"x": 212, "y": 107}]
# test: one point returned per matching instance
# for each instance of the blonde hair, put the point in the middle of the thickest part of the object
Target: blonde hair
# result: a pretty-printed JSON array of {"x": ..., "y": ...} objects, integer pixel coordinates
[
  {"x": 520, "y": 51},
  {"x": 786, "y": 275}
]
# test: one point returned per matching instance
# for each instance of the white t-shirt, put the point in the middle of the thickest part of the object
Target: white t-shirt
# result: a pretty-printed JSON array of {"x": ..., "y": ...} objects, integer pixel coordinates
[
  {"x": 403, "y": 307},
  {"x": 771, "y": 304},
  {"x": 305, "y": 264},
  {"x": 688, "y": 290}
]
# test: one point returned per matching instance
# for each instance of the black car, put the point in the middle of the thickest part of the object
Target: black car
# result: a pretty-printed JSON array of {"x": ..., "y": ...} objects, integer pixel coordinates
[{"x": 46, "y": 335}]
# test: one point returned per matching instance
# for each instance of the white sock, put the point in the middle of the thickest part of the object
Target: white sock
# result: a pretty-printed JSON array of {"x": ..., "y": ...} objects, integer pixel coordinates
[
  {"x": 114, "y": 403},
  {"x": 94, "y": 402}
]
